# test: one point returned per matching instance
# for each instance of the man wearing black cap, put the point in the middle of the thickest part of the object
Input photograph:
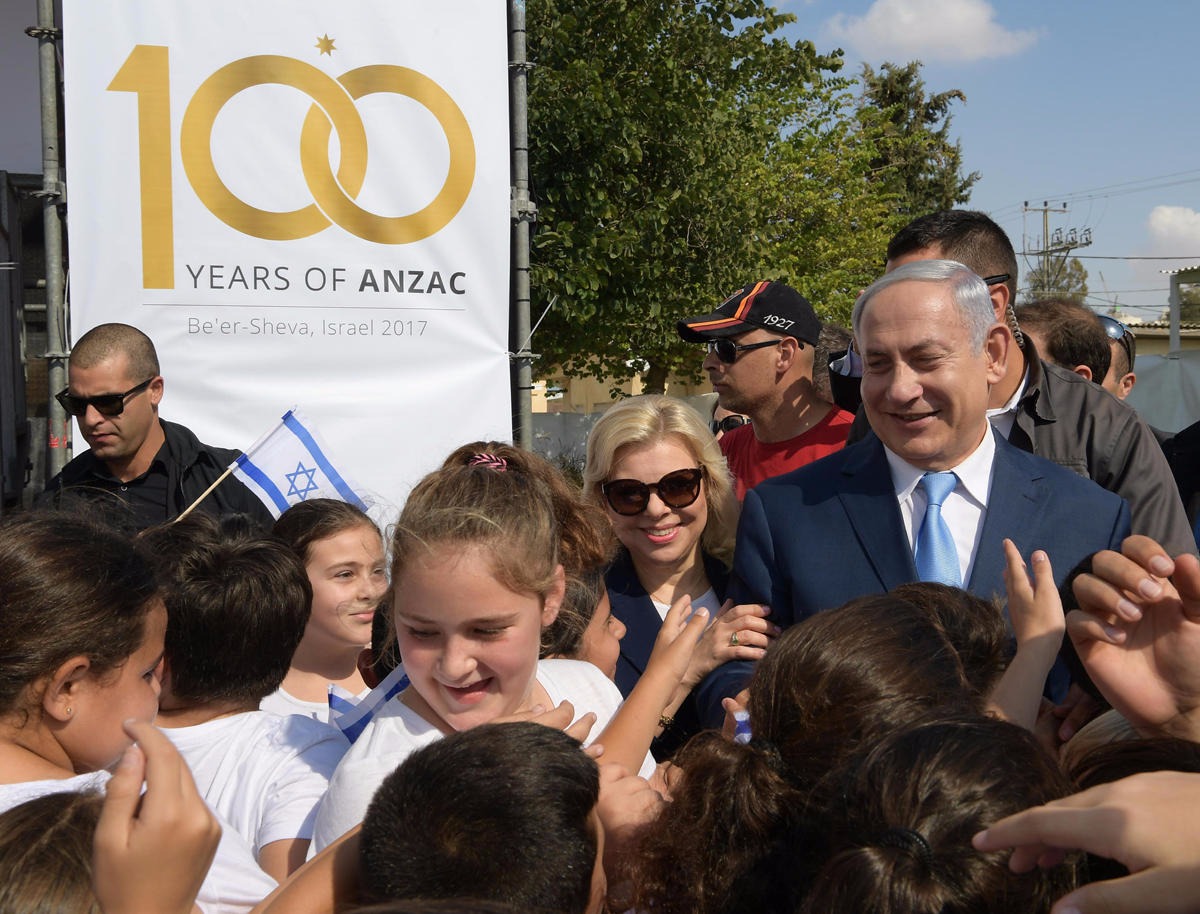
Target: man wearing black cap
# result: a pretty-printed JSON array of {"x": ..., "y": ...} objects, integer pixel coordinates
[{"x": 760, "y": 362}]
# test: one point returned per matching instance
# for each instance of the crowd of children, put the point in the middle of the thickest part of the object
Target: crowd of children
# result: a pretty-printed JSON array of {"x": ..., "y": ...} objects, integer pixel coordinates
[{"x": 886, "y": 756}]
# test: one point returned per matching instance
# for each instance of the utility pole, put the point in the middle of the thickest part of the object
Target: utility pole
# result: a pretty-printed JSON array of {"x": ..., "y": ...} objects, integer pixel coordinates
[{"x": 1057, "y": 245}]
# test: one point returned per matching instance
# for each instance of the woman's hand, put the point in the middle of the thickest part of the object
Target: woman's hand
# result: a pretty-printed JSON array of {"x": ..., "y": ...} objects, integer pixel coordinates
[{"x": 741, "y": 632}]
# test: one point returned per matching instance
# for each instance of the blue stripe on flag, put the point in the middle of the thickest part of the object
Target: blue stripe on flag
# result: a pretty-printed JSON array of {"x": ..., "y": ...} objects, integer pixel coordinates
[
  {"x": 297, "y": 428},
  {"x": 263, "y": 481}
]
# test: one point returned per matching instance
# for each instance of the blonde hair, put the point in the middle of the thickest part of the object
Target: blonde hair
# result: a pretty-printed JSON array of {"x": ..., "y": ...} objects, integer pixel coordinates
[{"x": 645, "y": 421}]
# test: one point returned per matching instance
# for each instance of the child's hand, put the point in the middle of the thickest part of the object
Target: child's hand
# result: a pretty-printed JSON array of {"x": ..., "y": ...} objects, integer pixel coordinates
[
  {"x": 152, "y": 852},
  {"x": 560, "y": 717},
  {"x": 1034, "y": 607},
  {"x": 627, "y": 802},
  {"x": 737, "y": 718},
  {"x": 676, "y": 645}
]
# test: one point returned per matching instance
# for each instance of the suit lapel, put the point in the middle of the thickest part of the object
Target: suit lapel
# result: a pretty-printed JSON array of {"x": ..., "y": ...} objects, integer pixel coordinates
[
  {"x": 869, "y": 499},
  {"x": 1016, "y": 502}
]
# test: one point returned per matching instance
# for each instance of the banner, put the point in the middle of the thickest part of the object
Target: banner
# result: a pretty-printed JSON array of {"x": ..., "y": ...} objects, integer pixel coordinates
[{"x": 300, "y": 201}]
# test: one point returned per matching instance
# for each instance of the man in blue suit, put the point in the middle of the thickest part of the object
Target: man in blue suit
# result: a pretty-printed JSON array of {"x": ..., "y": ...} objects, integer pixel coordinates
[{"x": 858, "y": 522}]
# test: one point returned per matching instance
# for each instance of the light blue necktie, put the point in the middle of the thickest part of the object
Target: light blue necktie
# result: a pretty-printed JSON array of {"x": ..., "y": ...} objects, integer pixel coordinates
[{"x": 936, "y": 555}]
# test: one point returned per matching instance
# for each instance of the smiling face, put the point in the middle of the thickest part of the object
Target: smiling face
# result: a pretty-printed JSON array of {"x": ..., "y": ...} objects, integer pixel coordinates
[
  {"x": 93, "y": 737},
  {"x": 660, "y": 535},
  {"x": 348, "y": 578},
  {"x": 924, "y": 386},
  {"x": 470, "y": 645}
]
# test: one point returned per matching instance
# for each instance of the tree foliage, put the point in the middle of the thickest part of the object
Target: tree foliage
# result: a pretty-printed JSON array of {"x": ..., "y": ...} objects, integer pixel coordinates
[
  {"x": 1060, "y": 277},
  {"x": 916, "y": 162},
  {"x": 679, "y": 150}
]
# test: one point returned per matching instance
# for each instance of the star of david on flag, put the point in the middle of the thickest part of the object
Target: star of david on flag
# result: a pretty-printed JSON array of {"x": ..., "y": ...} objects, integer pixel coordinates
[{"x": 289, "y": 464}]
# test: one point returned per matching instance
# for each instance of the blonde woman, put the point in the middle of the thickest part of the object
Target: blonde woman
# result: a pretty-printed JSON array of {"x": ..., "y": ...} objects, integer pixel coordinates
[{"x": 656, "y": 469}]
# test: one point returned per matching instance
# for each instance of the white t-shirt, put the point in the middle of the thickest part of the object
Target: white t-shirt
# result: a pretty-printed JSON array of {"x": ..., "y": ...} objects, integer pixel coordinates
[
  {"x": 282, "y": 703},
  {"x": 397, "y": 730},
  {"x": 234, "y": 883},
  {"x": 264, "y": 774}
]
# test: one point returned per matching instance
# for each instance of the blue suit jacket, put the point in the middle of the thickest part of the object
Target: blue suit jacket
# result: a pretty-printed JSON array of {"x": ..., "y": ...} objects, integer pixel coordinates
[
  {"x": 633, "y": 606},
  {"x": 831, "y": 531}
]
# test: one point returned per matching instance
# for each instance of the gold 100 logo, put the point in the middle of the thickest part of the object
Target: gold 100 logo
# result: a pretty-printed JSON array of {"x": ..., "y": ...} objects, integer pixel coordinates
[{"x": 145, "y": 73}]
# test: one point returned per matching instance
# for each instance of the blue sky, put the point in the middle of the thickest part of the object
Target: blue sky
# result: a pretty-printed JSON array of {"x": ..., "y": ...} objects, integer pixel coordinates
[{"x": 1066, "y": 100}]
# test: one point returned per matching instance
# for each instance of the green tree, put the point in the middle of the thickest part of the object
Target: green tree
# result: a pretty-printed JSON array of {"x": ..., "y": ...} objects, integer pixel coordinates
[
  {"x": 678, "y": 151},
  {"x": 1189, "y": 303},
  {"x": 1062, "y": 277},
  {"x": 916, "y": 161}
]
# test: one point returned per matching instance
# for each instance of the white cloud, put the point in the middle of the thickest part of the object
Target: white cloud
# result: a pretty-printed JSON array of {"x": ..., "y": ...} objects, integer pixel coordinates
[
  {"x": 954, "y": 31},
  {"x": 1174, "y": 231}
]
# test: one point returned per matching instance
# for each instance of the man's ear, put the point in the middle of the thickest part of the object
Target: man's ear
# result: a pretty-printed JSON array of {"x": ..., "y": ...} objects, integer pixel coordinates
[
  {"x": 156, "y": 391},
  {"x": 553, "y": 600},
  {"x": 64, "y": 687},
  {"x": 1083, "y": 371},
  {"x": 1000, "y": 297},
  {"x": 786, "y": 354},
  {"x": 995, "y": 350},
  {"x": 1125, "y": 385}
]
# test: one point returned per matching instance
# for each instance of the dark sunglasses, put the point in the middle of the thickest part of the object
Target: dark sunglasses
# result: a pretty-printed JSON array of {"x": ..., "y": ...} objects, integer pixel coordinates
[
  {"x": 106, "y": 404},
  {"x": 1122, "y": 334},
  {"x": 727, "y": 350},
  {"x": 677, "y": 489},
  {"x": 996, "y": 280},
  {"x": 728, "y": 424}
]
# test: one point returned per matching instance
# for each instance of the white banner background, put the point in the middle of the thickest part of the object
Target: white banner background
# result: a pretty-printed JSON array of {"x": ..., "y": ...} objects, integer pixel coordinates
[{"x": 392, "y": 379}]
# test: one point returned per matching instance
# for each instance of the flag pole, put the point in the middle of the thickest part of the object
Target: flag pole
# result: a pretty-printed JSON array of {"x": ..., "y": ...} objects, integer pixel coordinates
[{"x": 206, "y": 492}]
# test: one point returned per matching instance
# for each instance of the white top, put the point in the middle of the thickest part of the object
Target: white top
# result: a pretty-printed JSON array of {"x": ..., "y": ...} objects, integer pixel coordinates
[
  {"x": 397, "y": 730},
  {"x": 234, "y": 883},
  {"x": 283, "y": 703},
  {"x": 264, "y": 774},
  {"x": 707, "y": 600},
  {"x": 964, "y": 509},
  {"x": 1004, "y": 417}
]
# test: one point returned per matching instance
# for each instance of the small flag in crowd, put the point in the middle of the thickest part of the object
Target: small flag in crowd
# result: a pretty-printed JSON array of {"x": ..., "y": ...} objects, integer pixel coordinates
[
  {"x": 351, "y": 715},
  {"x": 289, "y": 464}
]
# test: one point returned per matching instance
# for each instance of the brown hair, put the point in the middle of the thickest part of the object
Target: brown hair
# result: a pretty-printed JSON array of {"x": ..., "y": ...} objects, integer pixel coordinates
[
  {"x": 308, "y": 522},
  {"x": 726, "y": 841},
  {"x": 510, "y": 502},
  {"x": 898, "y": 825},
  {"x": 71, "y": 588},
  {"x": 105, "y": 341},
  {"x": 46, "y": 854}
]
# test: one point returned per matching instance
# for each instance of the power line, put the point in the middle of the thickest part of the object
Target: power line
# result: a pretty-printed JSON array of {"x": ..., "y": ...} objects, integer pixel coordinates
[{"x": 1195, "y": 258}]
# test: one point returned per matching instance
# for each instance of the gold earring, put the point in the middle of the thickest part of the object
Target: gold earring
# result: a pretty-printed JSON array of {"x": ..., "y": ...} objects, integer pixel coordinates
[{"x": 70, "y": 711}]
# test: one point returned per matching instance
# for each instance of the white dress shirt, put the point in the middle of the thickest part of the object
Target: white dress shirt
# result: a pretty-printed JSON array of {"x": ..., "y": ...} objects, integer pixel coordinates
[{"x": 964, "y": 509}]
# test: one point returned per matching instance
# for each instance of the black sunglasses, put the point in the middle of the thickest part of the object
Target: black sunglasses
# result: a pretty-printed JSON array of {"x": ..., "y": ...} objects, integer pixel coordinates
[
  {"x": 727, "y": 350},
  {"x": 1122, "y": 334},
  {"x": 106, "y": 404},
  {"x": 728, "y": 424},
  {"x": 996, "y": 280},
  {"x": 677, "y": 489}
]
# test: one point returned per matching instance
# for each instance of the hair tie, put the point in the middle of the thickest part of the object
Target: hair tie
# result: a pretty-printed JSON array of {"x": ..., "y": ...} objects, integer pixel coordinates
[
  {"x": 491, "y": 461},
  {"x": 909, "y": 841},
  {"x": 771, "y": 753}
]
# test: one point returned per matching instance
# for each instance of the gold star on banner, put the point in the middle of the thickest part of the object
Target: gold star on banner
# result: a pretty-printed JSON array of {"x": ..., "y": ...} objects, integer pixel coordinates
[{"x": 325, "y": 45}]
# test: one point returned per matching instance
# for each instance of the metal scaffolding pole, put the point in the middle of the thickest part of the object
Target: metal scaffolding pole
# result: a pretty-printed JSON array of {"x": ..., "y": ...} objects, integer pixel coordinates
[
  {"x": 523, "y": 214},
  {"x": 52, "y": 196}
]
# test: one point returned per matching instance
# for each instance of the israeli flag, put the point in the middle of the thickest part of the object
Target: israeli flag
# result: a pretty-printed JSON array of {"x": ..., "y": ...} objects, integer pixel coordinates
[
  {"x": 351, "y": 715},
  {"x": 289, "y": 464}
]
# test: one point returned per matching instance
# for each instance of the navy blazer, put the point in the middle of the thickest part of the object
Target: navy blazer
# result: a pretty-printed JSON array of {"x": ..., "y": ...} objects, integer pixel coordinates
[
  {"x": 831, "y": 531},
  {"x": 633, "y": 606}
]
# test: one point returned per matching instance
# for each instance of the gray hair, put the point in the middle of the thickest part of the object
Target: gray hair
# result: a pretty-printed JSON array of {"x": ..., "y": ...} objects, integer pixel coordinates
[{"x": 968, "y": 291}]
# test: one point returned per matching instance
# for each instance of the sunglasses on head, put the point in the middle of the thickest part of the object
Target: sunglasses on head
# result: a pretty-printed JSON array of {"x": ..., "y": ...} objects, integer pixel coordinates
[
  {"x": 996, "y": 280},
  {"x": 727, "y": 350},
  {"x": 106, "y": 404},
  {"x": 677, "y": 489},
  {"x": 1122, "y": 334}
]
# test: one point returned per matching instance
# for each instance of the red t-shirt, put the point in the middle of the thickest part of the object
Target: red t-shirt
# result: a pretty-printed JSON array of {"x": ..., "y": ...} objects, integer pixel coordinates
[{"x": 751, "y": 461}]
